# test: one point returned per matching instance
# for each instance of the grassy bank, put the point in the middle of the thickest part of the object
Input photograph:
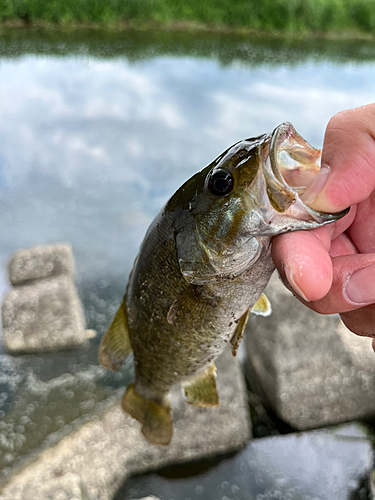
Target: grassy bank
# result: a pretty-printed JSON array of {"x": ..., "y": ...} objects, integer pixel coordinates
[{"x": 291, "y": 16}]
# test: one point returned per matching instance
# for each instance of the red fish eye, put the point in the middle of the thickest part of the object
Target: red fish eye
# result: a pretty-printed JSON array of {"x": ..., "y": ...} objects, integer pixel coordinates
[{"x": 220, "y": 183}]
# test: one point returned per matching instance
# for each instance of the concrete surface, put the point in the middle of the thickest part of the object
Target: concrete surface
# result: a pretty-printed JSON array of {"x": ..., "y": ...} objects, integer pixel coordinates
[{"x": 311, "y": 369}]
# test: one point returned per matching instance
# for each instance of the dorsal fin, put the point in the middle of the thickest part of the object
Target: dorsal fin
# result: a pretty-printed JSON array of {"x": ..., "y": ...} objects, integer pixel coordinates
[
  {"x": 115, "y": 345},
  {"x": 262, "y": 306}
]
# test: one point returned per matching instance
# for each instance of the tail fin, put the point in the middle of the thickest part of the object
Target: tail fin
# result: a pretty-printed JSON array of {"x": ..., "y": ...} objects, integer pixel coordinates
[{"x": 156, "y": 418}]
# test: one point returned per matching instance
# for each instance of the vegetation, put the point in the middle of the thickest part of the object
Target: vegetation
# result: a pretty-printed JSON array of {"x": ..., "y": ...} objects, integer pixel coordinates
[
  {"x": 293, "y": 16},
  {"x": 248, "y": 49}
]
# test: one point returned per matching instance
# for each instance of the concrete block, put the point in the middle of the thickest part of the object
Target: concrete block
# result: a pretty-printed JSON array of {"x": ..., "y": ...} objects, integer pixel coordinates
[
  {"x": 41, "y": 262},
  {"x": 105, "y": 452},
  {"x": 67, "y": 487},
  {"x": 42, "y": 316},
  {"x": 312, "y": 370}
]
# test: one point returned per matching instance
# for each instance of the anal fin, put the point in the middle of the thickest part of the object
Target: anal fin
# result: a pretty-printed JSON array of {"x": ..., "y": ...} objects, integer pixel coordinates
[
  {"x": 201, "y": 390},
  {"x": 156, "y": 418},
  {"x": 115, "y": 345}
]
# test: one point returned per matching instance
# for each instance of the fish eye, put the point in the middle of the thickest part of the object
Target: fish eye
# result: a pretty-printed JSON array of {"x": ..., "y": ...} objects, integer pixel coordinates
[{"x": 220, "y": 183}]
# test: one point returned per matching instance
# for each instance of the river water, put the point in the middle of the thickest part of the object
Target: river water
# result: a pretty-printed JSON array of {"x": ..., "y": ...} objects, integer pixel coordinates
[
  {"x": 96, "y": 134},
  {"x": 98, "y": 130}
]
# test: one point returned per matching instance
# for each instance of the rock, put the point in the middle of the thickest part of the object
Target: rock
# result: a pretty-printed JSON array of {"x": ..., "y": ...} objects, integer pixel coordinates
[
  {"x": 41, "y": 262},
  {"x": 43, "y": 316},
  {"x": 43, "y": 311},
  {"x": 105, "y": 452},
  {"x": 311, "y": 369},
  {"x": 317, "y": 465}
]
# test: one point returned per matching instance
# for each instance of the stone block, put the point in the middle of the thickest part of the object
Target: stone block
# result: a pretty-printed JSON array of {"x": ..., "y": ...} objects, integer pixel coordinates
[
  {"x": 105, "y": 452},
  {"x": 42, "y": 316},
  {"x": 311, "y": 369},
  {"x": 67, "y": 487},
  {"x": 41, "y": 262}
]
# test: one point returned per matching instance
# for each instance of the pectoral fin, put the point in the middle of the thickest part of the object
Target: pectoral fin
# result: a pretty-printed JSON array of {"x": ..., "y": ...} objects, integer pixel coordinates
[
  {"x": 238, "y": 334},
  {"x": 190, "y": 307},
  {"x": 115, "y": 345},
  {"x": 201, "y": 390},
  {"x": 262, "y": 306}
]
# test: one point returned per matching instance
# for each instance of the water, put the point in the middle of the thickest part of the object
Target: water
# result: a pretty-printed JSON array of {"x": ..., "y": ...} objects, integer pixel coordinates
[
  {"x": 92, "y": 146},
  {"x": 97, "y": 131},
  {"x": 316, "y": 465}
]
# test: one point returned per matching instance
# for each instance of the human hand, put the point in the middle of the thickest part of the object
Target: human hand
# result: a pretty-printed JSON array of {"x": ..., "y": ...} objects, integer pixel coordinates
[{"x": 332, "y": 268}]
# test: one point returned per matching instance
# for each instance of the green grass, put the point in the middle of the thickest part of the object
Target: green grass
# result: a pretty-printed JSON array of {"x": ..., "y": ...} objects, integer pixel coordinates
[{"x": 291, "y": 16}]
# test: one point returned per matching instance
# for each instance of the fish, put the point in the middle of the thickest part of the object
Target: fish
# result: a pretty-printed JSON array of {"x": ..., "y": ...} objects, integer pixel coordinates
[{"x": 202, "y": 269}]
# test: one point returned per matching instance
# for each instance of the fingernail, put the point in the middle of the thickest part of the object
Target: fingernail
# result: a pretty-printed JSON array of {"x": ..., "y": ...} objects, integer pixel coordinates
[
  {"x": 360, "y": 287},
  {"x": 316, "y": 186},
  {"x": 290, "y": 278}
]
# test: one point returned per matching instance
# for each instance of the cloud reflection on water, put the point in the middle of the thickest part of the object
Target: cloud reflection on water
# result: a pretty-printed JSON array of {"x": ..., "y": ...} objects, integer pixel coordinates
[{"x": 90, "y": 149}]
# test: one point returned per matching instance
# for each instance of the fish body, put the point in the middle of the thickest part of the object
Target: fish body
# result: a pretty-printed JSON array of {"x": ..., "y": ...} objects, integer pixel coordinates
[{"x": 202, "y": 267}]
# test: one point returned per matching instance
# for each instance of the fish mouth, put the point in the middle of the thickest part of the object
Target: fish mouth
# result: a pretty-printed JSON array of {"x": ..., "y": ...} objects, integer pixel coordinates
[{"x": 290, "y": 168}]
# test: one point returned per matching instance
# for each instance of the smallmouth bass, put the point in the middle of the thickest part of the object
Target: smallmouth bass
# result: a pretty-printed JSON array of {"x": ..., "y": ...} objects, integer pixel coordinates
[{"x": 202, "y": 268}]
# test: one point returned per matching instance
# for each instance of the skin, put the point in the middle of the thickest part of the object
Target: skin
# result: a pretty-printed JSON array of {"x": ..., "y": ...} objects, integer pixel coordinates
[{"x": 331, "y": 269}]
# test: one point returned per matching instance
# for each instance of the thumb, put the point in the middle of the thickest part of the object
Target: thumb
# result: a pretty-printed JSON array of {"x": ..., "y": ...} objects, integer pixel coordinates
[{"x": 347, "y": 175}]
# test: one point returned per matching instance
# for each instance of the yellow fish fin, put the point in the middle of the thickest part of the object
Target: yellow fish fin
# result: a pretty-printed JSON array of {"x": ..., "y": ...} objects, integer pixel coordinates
[
  {"x": 201, "y": 389},
  {"x": 156, "y": 418},
  {"x": 115, "y": 345},
  {"x": 262, "y": 306},
  {"x": 238, "y": 334}
]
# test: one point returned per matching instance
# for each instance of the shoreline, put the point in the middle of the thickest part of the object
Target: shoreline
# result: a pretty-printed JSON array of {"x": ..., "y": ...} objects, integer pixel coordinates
[{"x": 181, "y": 26}]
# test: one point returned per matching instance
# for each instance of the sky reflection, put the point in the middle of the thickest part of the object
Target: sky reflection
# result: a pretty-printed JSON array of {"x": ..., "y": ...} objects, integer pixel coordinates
[{"x": 90, "y": 149}]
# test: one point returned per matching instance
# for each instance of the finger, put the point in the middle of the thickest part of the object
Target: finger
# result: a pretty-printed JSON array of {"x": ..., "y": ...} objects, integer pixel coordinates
[
  {"x": 362, "y": 230},
  {"x": 338, "y": 227},
  {"x": 303, "y": 258},
  {"x": 361, "y": 321},
  {"x": 342, "y": 245},
  {"x": 347, "y": 175},
  {"x": 353, "y": 285}
]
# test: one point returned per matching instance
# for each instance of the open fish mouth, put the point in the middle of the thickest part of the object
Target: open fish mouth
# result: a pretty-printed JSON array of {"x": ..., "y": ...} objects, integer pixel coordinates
[
  {"x": 293, "y": 161},
  {"x": 291, "y": 167}
]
